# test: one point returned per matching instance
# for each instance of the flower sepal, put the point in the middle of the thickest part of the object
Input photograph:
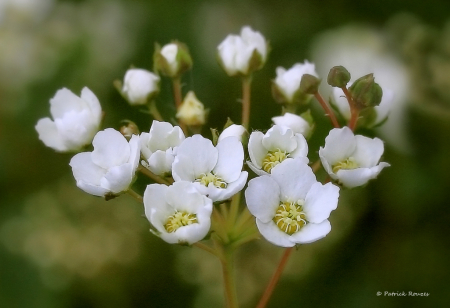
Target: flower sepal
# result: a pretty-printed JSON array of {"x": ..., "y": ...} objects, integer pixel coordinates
[{"x": 173, "y": 59}]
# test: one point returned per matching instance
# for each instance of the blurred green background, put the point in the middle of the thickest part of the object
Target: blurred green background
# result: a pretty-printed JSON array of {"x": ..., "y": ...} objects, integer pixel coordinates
[{"x": 60, "y": 247}]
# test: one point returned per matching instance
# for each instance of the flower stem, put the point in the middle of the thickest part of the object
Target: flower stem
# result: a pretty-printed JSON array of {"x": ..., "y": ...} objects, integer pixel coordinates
[
  {"x": 228, "y": 278},
  {"x": 354, "y": 111},
  {"x": 246, "y": 91},
  {"x": 177, "y": 96},
  {"x": 327, "y": 109},
  {"x": 276, "y": 276},
  {"x": 154, "y": 111},
  {"x": 135, "y": 195},
  {"x": 153, "y": 176}
]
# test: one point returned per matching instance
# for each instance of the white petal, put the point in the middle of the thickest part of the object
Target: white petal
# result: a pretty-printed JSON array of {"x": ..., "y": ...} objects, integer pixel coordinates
[
  {"x": 232, "y": 130},
  {"x": 65, "y": 101},
  {"x": 163, "y": 136},
  {"x": 341, "y": 103},
  {"x": 273, "y": 234},
  {"x": 302, "y": 147},
  {"x": 195, "y": 156},
  {"x": 155, "y": 199},
  {"x": 49, "y": 135},
  {"x": 255, "y": 169},
  {"x": 76, "y": 128},
  {"x": 320, "y": 201},
  {"x": 281, "y": 138},
  {"x": 295, "y": 179},
  {"x": 339, "y": 145},
  {"x": 360, "y": 176},
  {"x": 92, "y": 189},
  {"x": 135, "y": 152},
  {"x": 118, "y": 178},
  {"x": 256, "y": 150},
  {"x": 263, "y": 197},
  {"x": 85, "y": 170},
  {"x": 144, "y": 139},
  {"x": 110, "y": 149},
  {"x": 183, "y": 196},
  {"x": 187, "y": 234},
  {"x": 311, "y": 232},
  {"x": 230, "y": 159},
  {"x": 92, "y": 101},
  {"x": 368, "y": 151},
  {"x": 160, "y": 162},
  {"x": 294, "y": 122},
  {"x": 220, "y": 194}
]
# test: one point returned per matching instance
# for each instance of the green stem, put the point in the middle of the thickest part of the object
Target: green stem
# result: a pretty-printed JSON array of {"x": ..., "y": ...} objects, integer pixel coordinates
[
  {"x": 228, "y": 278},
  {"x": 276, "y": 276},
  {"x": 246, "y": 91},
  {"x": 177, "y": 96},
  {"x": 153, "y": 176},
  {"x": 154, "y": 111},
  {"x": 135, "y": 195}
]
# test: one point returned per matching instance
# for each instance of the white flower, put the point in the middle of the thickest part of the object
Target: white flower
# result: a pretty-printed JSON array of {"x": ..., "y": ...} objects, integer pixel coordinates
[
  {"x": 236, "y": 53},
  {"x": 191, "y": 111},
  {"x": 139, "y": 85},
  {"x": 215, "y": 171},
  {"x": 233, "y": 130},
  {"x": 288, "y": 81},
  {"x": 110, "y": 167},
  {"x": 169, "y": 52},
  {"x": 278, "y": 144},
  {"x": 76, "y": 120},
  {"x": 290, "y": 206},
  {"x": 352, "y": 160},
  {"x": 159, "y": 146},
  {"x": 179, "y": 212},
  {"x": 296, "y": 123}
]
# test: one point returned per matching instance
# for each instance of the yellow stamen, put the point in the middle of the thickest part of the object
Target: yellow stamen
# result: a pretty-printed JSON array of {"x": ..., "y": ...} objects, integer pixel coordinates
[
  {"x": 346, "y": 164},
  {"x": 178, "y": 220},
  {"x": 205, "y": 179},
  {"x": 290, "y": 217},
  {"x": 273, "y": 158}
]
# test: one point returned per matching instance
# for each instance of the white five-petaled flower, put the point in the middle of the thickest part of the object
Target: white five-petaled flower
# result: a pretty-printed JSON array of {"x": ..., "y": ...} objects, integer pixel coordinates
[
  {"x": 110, "y": 167},
  {"x": 294, "y": 122},
  {"x": 215, "y": 171},
  {"x": 139, "y": 85},
  {"x": 351, "y": 160},
  {"x": 288, "y": 81},
  {"x": 233, "y": 130},
  {"x": 278, "y": 144},
  {"x": 180, "y": 214},
  {"x": 159, "y": 146},
  {"x": 243, "y": 54},
  {"x": 290, "y": 206},
  {"x": 76, "y": 120}
]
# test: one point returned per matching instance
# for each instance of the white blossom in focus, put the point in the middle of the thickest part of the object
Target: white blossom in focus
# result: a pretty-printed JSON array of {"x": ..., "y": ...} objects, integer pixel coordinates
[
  {"x": 290, "y": 206},
  {"x": 296, "y": 123},
  {"x": 159, "y": 146},
  {"x": 215, "y": 171},
  {"x": 280, "y": 143},
  {"x": 139, "y": 85},
  {"x": 179, "y": 212},
  {"x": 76, "y": 120},
  {"x": 191, "y": 111},
  {"x": 233, "y": 130},
  {"x": 287, "y": 82},
  {"x": 110, "y": 167},
  {"x": 243, "y": 54},
  {"x": 351, "y": 160}
]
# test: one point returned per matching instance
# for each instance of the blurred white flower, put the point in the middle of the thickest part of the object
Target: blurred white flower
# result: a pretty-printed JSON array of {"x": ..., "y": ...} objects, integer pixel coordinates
[
  {"x": 159, "y": 146},
  {"x": 287, "y": 82},
  {"x": 290, "y": 206},
  {"x": 243, "y": 54},
  {"x": 180, "y": 214},
  {"x": 169, "y": 52},
  {"x": 215, "y": 171},
  {"x": 233, "y": 130},
  {"x": 277, "y": 145},
  {"x": 296, "y": 123},
  {"x": 110, "y": 167},
  {"x": 191, "y": 111},
  {"x": 351, "y": 160},
  {"x": 139, "y": 86},
  {"x": 76, "y": 120}
]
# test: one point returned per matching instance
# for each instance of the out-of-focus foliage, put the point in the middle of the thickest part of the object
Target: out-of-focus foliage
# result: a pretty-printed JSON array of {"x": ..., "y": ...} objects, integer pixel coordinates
[{"x": 60, "y": 247}]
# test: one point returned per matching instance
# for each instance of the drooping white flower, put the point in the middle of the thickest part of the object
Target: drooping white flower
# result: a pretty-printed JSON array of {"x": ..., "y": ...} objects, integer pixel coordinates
[
  {"x": 191, "y": 111},
  {"x": 296, "y": 123},
  {"x": 278, "y": 144},
  {"x": 110, "y": 167},
  {"x": 233, "y": 130},
  {"x": 179, "y": 212},
  {"x": 215, "y": 171},
  {"x": 290, "y": 206},
  {"x": 159, "y": 146},
  {"x": 76, "y": 120},
  {"x": 243, "y": 54},
  {"x": 287, "y": 82},
  {"x": 351, "y": 160},
  {"x": 139, "y": 85}
]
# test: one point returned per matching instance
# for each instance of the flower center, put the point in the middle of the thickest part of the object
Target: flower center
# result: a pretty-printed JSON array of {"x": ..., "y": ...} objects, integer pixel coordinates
[
  {"x": 346, "y": 164},
  {"x": 273, "y": 158},
  {"x": 178, "y": 220},
  {"x": 290, "y": 217},
  {"x": 205, "y": 179}
]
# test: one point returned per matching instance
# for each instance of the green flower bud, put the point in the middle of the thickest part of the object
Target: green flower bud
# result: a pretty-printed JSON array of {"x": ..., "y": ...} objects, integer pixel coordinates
[
  {"x": 338, "y": 77},
  {"x": 173, "y": 59},
  {"x": 309, "y": 84},
  {"x": 128, "y": 128},
  {"x": 366, "y": 92}
]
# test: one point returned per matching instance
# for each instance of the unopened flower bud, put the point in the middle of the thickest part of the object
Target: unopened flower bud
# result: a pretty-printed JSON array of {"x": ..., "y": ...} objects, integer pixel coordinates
[
  {"x": 366, "y": 92},
  {"x": 191, "y": 112},
  {"x": 338, "y": 77},
  {"x": 128, "y": 129},
  {"x": 309, "y": 84},
  {"x": 173, "y": 59},
  {"x": 140, "y": 86}
]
